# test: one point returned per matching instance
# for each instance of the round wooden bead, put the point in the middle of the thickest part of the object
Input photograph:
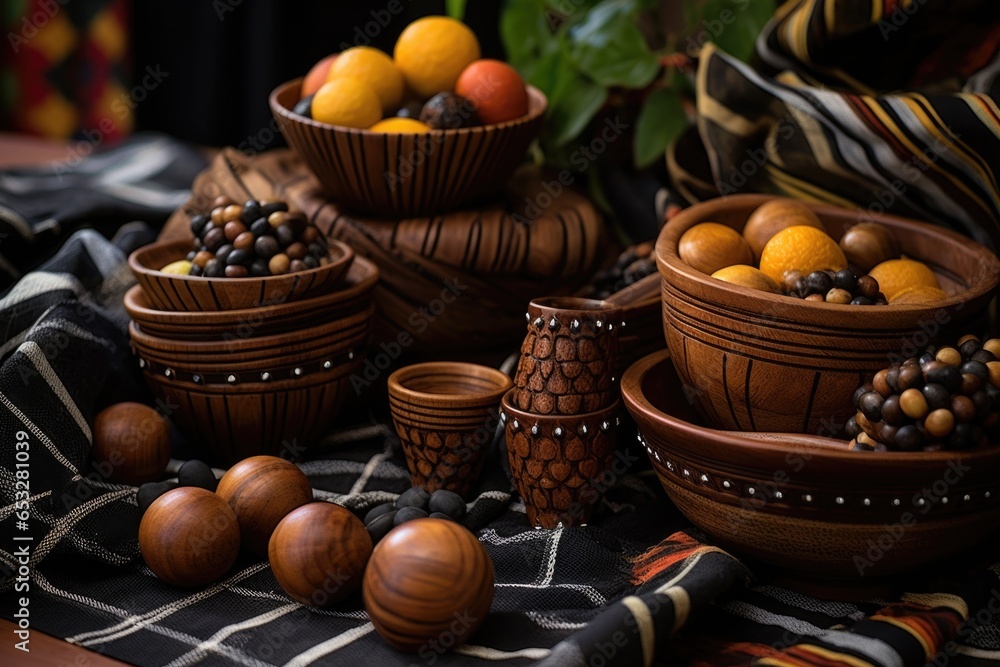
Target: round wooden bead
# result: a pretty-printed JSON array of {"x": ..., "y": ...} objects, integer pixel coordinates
[
  {"x": 262, "y": 490},
  {"x": 426, "y": 579},
  {"x": 131, "y": 443},
  {"x": 189, "y": 537},
  {"x": 318, "y": 553}
]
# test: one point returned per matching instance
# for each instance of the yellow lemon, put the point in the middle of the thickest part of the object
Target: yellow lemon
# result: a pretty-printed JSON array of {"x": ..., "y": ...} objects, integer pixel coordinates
[
  {"x": 432, "y": 51},
  {"x": 801, "y": 248},
  {"x": 374, "y": 68},
  {"x": 348, "y": 102},
  {"x": 181, "y": 267},
  {"x": 747, "y": 276},
  {"x": 921, "y": 295},
  {"x": 896, "y": 275},
  {"x": 401, "y": 125}
]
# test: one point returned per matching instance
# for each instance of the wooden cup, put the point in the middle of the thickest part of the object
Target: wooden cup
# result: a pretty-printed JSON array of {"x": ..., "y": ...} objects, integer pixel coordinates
[
  {"x": 569, "y": 357},
  {"x": 445, "y": 417}
]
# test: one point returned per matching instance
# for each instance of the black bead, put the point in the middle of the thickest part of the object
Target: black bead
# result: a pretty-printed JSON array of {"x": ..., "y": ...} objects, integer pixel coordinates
[
  {"x": 238, "y": 257},
  {"x": 378, "y": 511},
  {"x": 381, "y": 525},
  {"x": 304, "y": 106},
  {"x": 223, "y": 253},
  {"x": 441, "y": 515},
  {"x": 819, "y": 282},
  {"x": 961, "y": 436},
  {"x": 214, "y": 268},
  {"x": 251, "y": 212},
  {"x": 198, "y": 223},
  {"x": 447, "y": 502},
  {"x": 947, "y": 376},
  {"x": 317, "y": 250},
  {"x": 261, "y": 227},
  {"x": 909, "y": 438},
  {"x": 273, "y": 207},
  {"x": 937, "y": 397},
  {"x": 977, "y": 368},
  {"x": 846, "y": 280},
  {"x": 149, "y": 492},
  {"x": 285, "y": 235},
  {"x": 311, "y": 261},
  {"x": 195, "y": 270},
  {"x": 969, "y": 348},
  {"x": 859, "y": 392},
  {"x": 408, "y": 514},
  {"x": 197, "y": 473},
  {"x": 259, "y": 268},
  {"x": 861, "y": 301},
  {"x": 851, "y": 428},
  {"x": 871, "y": 406},
  {"x": 266, "y": 247},
  {"x": 415, "y": 497},
  {"x": 909, "y": 377},
  {"x": 191, "y": 255},
  {"x": 891, "y": 412},
  {"x": 983, "y": 357}
]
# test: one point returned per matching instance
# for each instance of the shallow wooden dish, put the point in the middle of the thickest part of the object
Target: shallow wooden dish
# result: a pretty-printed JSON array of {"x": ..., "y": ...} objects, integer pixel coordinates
[
  {"x": 401, "y": 175},
  {"x": 760, "y": 361},
  {"x": 195, "y": 293},
  {"x": 805, "y": 502},
  {"x": 353, "y": 296}
]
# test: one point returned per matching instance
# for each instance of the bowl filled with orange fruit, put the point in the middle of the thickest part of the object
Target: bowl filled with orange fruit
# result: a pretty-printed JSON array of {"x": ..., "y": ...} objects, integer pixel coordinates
[
  {"x": 431, "y": 128},
  {"x": 775, "y": 310}
]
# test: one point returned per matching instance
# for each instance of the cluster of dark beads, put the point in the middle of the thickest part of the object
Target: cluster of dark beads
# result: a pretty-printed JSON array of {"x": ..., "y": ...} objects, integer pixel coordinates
[
  {"x": 632, "y": 265},
  {"x": 254, "y": 239},
  {"x": 947, "y": 398},
  {"x": 191, "y": 473},
  {"x": 415, "y": 503},
  {"x": 844, "y": 287}
]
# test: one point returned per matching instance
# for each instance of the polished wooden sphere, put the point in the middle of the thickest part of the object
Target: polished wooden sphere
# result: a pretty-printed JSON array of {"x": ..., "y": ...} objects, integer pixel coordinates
[
  {"x": 318, "y": 553},
  {"x": 262, "y": 490},
  {"x": 189, "y": 537},
  {"x": 131, "y": 443},
  {"x": 428, "y": 579}
]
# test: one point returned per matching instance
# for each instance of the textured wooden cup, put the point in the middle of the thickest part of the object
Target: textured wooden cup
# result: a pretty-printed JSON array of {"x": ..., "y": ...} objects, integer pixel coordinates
[
  {"x": 807, "y": 503},
  {"x": 445, "y": 414},
  {"x": 756, "y": 361},
  {"x": 167, "y": 291},
  {"x": 352, "y": 297},
  {"x": 397, "y": 175},
  {"x": 560, "y": 462},
  {"x": 569, "y": 356}
]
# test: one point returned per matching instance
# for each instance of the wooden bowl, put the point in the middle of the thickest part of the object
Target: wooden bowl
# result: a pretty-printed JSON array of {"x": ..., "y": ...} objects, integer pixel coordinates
[
  {"x": 402, "y": 175},
  {"x": 196, "y": 293},
  {"x": 445, "y": 415},
  {"x": 760, "y": 361},
  {"x": 805, "y": 502},
  {"x": 248, "y": 415},
  {"x": 354, "y": 295}
]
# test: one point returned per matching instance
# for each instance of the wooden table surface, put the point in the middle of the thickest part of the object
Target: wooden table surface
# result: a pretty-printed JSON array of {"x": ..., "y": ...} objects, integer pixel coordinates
[{"x": 46, "y": 651}]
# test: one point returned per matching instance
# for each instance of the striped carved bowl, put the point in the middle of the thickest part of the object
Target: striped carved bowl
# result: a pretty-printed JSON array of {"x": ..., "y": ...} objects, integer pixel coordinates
[
  {"x": 756, "y": 361},
  {"x": 404, "y": 175},
  {"x": 167, "y": 291}
]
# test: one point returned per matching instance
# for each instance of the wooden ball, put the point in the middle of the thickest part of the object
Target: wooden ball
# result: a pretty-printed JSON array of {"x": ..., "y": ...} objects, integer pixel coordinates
[
  {"x": 773, "y": 216},
  {"x": 868, "y": 244},
  {"x": 318, "y": 553},
  {"x": 131, "y": 443},
  {"x": 710, "y": 246},
  {"x": 262, "y": 490},
  {"x": 428, "y": 579},
  {"x": 189, "y": 537}
]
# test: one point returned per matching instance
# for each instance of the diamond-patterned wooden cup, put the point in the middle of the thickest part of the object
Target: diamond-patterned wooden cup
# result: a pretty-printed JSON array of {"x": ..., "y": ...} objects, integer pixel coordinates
[
  {"x": 568, "y": 357},
  {"x": 445, "y": 415},
  {"x": 561, "y": 464}
]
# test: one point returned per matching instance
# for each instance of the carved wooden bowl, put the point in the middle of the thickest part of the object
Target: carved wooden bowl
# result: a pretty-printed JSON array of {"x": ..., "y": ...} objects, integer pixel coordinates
[
  {"x": 401, "y": 175},
  {"x": 353, "y": 296},
  {"x": 765, "y": 362},
  {"x": 805, "y": 502},
  {"x": 168, "y": 291},
  {"x": 560, "y": 463},
  {"x": 445, "y": 415}
]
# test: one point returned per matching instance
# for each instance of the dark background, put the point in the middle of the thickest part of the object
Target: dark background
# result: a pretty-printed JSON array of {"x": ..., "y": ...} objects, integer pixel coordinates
[{"x": 220, "y": 71}]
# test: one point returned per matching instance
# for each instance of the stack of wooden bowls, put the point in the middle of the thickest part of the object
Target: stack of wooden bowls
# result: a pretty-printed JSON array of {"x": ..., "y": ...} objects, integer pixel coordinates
[{"x": 255, "y": 378}]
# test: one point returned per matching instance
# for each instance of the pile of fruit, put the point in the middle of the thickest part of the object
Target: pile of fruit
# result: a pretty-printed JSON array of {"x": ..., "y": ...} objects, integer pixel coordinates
[
  {"x": 946, "y": 398},
  {"x": 252, "y": 239},
  {"x": 785, "y": 249},
  {"x": 434, "y": 81}
]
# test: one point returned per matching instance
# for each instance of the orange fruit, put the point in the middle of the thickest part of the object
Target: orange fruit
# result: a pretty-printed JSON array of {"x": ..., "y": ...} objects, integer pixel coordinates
[
  {"x": 920, "y": 295},
  {"x": 896, "y": 275},
  {"x": 710, "y": 246},
  {"x": 374, "y": 68},
  {"x": 317, "y": 75},
  {"x": 771, "y": 217},
  {"x": 747, "y": 276},
  {"x": 495, "y": 89},
  {"x": 432, "y": 52},
  {"x": 348, "y": 102},
  {"x": 400, "y": 125},
  {"x": 801, "y": 248}
]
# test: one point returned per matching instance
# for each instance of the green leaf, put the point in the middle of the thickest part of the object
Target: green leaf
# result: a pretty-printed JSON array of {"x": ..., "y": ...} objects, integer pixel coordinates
[
  {"x": 525, "y": 32},
  {"x": 733, "y": 25},
  {"x": 661, "y": 120},
  {"x": 455, "y": 8},
  {"x": 572, "y": 106},
  {"x": 610, "y": 49}
]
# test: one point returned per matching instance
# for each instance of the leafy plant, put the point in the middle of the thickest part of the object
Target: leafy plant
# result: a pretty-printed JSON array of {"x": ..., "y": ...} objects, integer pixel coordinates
[
  {"x": 455, "y": 8},
  {"x": 587, "y": 55}
]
